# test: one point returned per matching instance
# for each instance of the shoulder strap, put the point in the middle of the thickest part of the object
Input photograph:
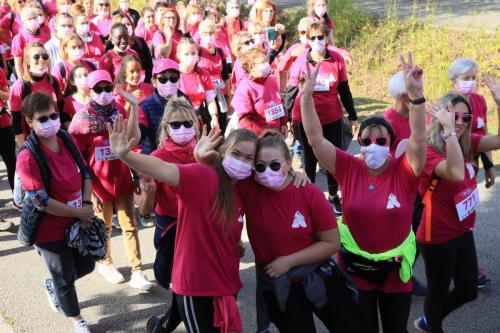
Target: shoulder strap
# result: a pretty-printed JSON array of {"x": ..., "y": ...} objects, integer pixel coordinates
[
  {"x": 62, "y": 71},
  {"x": 427, "y": 201},
  {"x": 25, "y": 89},
  {"x": 12, "y": 19},
  {"x": 33, "y": 144},
  {"x": 220, "y": 52},
  {"x": 91, "y": 65}
]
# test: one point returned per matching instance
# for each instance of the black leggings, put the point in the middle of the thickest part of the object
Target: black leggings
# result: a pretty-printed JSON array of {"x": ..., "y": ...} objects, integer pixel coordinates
[
  {"x": 454, "y": 260},
  {"x": 394, "y": 311},
  {"x": 65, "y": 265},
  {"x": 340, "y": 314},
  {"x": 197, "y": 313},
  {"x": 8, "y": 152},
  {"x": 333, "y": 133}
]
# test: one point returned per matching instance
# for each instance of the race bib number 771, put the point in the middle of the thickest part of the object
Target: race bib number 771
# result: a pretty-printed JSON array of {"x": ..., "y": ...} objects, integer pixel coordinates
[{"x": 466, "y": 202}]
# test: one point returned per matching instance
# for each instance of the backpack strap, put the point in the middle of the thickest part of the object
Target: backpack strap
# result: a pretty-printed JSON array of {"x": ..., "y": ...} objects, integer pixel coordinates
[
  {"x": 12, "y": 19},
  {"x": 427, "y": 201},
  {"x": 91, "y": 65},
  {"x": 25, "y": 89},
  {"x": 33, "y": 145}
]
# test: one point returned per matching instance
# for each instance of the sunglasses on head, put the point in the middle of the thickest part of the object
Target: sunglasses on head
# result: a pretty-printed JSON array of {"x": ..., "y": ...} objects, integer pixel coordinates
[
  {"x": 248, "y": 42},
  {"x": 261, "y": 167},
  {"x": 379, "y": 140},
  {"x": 44, "y": 119},
  {"x": 164, "y": 79},
  {"x": 177, "y": 124},
  {"x": 317, "y": 37},
  {"x": 44, "y": 56},
  {"x": 466, "y": 117},
  {"x": 98, "y": 90}
]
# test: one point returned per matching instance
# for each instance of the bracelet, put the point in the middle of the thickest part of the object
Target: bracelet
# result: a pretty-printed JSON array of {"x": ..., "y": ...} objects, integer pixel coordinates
[
  {"x": 446, "y": 136},
  {"x": 87, "y": 202},
  {"x": 417, "y": 101}
]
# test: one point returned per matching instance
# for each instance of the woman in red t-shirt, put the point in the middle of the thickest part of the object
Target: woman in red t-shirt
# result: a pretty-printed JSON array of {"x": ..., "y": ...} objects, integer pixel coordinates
[
  {"x": 378, "y": 191},
  {"x": 77, "y": 94},
  {"x": 449, "y": 194},
  {"x": 209, "y": 227},
  {"x": 66, "y": 200},
  {"x": 330, "y": 90},
  {"x": 7, "y": 140}
]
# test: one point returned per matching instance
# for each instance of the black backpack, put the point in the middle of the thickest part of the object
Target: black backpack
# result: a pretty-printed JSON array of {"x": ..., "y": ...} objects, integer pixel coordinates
[{"x": 31, "y": 217}]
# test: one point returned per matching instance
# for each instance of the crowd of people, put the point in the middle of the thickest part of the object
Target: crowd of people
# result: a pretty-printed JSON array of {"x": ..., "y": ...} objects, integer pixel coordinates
[{"x": 161, "y": 100}]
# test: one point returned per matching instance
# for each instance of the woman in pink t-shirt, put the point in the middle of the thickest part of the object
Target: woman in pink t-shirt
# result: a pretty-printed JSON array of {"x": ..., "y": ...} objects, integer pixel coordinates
[
  {"x": 449, "y": 194},
  {"x": 168, "y": 35},
  {"x": 146, "y": 26},
  {"x": 380, "y": 237},
  {"x": 77, "y": 94}
]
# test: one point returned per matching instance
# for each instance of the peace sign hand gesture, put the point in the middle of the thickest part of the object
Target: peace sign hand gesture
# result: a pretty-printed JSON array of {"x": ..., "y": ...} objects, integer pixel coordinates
[{"x": 413, "y": 77}]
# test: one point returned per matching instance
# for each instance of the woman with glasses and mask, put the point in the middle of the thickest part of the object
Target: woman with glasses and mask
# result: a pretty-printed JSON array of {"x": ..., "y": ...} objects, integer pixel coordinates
[
  {"x": 166, "y": 78},
  {"x": 112, "y": 182},
  {"x": 257, "y": 101},
  {"x": 241, "y": 43},
  {"x": 168, "y": 35},
  {"x": 36, "y": 78},
  {"x": 10, "y": 24},
  {"x": 331, "y": 88},
  {"x": 449, "y": 194},
  {"x": 111, "y": 60},
  {"x": 378, "y": 190},
  {"x": 67, "y": 200},
  {"x": 102, "y": 19}
]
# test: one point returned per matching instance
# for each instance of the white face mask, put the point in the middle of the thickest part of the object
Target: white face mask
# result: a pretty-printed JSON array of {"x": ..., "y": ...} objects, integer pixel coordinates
[
  {"x": 104, "y": 98},
  {"x": 320, "y": 10},
  {"x": 375, "y": 155},
  {"x": 64, "y": 8},
  {"x": 76, "y": 54},
  {"x": 63, "y": 32},
  {"x": 207, "y": 40},
  {"x": 82, "y": 29},
  {"x": 234, "y": 12},
  {"x": 32, "y": 25},
  {"x": 303, "y": 39},
  {"x": 318, "y": 46}
]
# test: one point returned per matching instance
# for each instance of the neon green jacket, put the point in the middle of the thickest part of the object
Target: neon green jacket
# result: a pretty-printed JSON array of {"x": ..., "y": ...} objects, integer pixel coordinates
[{"x": 405, "y": 250}]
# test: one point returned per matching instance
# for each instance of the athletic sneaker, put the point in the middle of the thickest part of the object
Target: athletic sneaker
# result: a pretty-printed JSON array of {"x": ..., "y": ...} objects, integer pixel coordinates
[
  {"x": 110, "y": 273},
  {"x": 147, "y": 221},
  {"x": 115, "y": 223},
  {"x": 336, "y": 204},
  {"x": 139, "y": 281},
  {"x": 421, "y": 325},
  {"x": 48, "y": 285},
  {"x": 154, "y": 325},
  {"x": 81, "y": 326},
  {"x": 482, "y": 279},
  {"x": 5, "y": 225},
  {"x": 419, "y": 289}
]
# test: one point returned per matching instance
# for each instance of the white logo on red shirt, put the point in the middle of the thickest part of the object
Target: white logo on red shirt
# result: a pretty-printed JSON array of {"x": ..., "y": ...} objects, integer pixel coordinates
[
  {"x": 470, "y": 168},
  {"x": 393, "y": 202},
  {"x": 299, "y": 221},
  {"x": 240, "y": 219}
]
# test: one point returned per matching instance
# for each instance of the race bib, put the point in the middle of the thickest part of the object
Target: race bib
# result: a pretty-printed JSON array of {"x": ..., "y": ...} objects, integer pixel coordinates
[
  {"x": 466, "y": 202},
  {"x": 322, "y": 85},
  {"x": 104, "y": 154},
  {"x": 274, "y": 112},
  {"x": 77, "y": 203}
]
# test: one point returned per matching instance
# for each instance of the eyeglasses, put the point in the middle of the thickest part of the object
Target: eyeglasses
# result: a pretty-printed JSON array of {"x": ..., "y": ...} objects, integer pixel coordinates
[
  {"x": 302, "y": 33},
  {"x": 98, "y": 90},
  {"x": 44, "y": 119},
  {"x": 379, "y": 140},
  {"x": 316, "y": 37},
  {"x": 44, "y": 56},
  {"x": 466, "y": 117},
  {"x": 164, "y": 79},
  {"x": 248, "y": 42},
  {"x": 103, "y": 4},
  {"x": 275, "y": 166},
  {"x": 177, "y": 124}
]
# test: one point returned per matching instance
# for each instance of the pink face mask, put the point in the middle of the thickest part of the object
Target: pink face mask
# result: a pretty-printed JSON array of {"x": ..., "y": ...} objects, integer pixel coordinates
[
  {"x": 271, "y": 179},
  {"x": 207, "y": 40},
  {"x": 190, "y": 60},
  {"x": 49, "y": 128},
  {"x": 167, "y": 89},
  {"x": 235, "y": 168},
  {"x": 465, "y": 87},
  {"x": 38, "y": 72},
  {"x": 104, "y": 98},
  {"x": 82, "y": 29},
  {"x": 182, "y": 135},
  {"x": 76, "y": 54}
]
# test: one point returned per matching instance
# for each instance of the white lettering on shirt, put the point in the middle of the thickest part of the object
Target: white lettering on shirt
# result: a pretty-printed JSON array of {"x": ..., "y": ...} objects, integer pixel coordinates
[{"x": 392, "y": 202}]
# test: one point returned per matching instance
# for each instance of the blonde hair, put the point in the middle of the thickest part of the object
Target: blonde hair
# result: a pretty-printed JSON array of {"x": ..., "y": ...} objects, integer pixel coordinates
[
  {"x": 435, "y": 130},
  {"x": 183, "y": 43},
  {"x": 26, "y": 60},
  {"x": 191, "y": 9},
  {"x": 76, "y": 9},
  {"x": 177, "y": 105},
  {"x": 250, "y": 58},
  {"x": 305, "y": 23},
  {"x": 237, "y": 42},
  {"x": 70, "y": 37},
  {"x": 317, "y": 27}
]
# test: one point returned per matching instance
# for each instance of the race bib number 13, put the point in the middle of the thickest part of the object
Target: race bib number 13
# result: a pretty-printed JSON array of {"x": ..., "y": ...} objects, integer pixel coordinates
[{"x": 104, "y": 154}]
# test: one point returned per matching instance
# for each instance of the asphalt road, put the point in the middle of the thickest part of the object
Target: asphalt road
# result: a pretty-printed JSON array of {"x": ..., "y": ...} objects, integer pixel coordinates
[{"x": 118, "y": 308}]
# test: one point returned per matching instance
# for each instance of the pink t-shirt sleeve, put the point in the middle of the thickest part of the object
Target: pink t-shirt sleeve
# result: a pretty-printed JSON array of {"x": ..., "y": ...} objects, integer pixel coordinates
[
  {"x": 320, "y": 210},
  {"x": 242, "y": 102},
  {"x": 295, "y": 72},
  {"x": 17, "y": 48},
  {"x": 28, "y": 171},
  {"x": 15, "y": 99}
]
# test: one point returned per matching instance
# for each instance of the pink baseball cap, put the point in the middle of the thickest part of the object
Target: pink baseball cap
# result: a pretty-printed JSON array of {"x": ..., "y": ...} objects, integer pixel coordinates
[
  {"x": 164, "y": 64},
  {"x": 97, "y": 76}
]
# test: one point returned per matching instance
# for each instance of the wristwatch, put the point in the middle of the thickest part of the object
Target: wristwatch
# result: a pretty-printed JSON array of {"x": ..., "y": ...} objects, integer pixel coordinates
[
  {"x": 446, "y": 136},
  {"x": 417, "y": 101}
]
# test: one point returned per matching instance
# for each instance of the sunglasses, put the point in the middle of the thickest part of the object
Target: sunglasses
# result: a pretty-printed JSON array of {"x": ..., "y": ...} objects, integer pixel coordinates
[
  {"x": 44, "y": 119},
  {"x": 44, "y": 56},
  {"x": 177, "y": 124},
  {"x": 302, "y": 33},
  {"x": 379, "y": 140},
  {"x": 248, "y": 42},
  {"x": 317, "y": 37},
  {"x": 466, "y": 117},
  {"x": 164, "y": 79},
  {"x": 261, "y": 167},
  {"x": 103, "y": 4},
  {"x": 98, "y": 90}
]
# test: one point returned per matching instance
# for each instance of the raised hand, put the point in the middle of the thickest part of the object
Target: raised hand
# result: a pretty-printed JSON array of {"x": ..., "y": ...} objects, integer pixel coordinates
[
  {"x": 494, "y": 86},
  {"x": 445, "y": 117},
  {"x": 413, "y": 77},
  {"x": 118, "y": 138},
  {"x": 308, "y": 81},
  {"x": 205, "y": 150},
  {"x": 129, "y": 97}
]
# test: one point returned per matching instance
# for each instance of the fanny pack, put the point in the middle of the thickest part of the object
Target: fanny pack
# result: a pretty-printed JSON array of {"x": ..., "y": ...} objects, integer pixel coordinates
[{"x": 372, "y": 271}]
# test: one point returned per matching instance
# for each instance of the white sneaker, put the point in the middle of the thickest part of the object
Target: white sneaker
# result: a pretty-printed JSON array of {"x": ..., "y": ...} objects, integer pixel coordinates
[
  {"x": 110, "y": 273},
  {"x": 81, "y": 326},
  {"x": 139, "y": 281}
]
